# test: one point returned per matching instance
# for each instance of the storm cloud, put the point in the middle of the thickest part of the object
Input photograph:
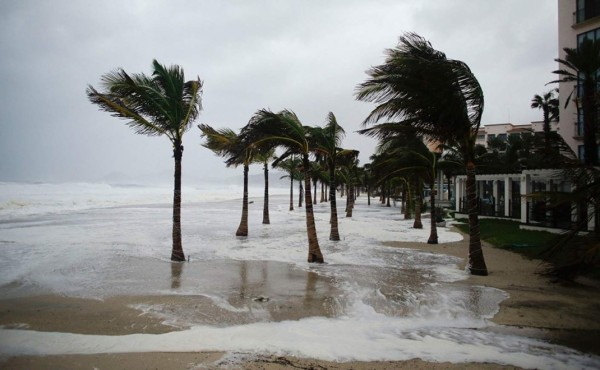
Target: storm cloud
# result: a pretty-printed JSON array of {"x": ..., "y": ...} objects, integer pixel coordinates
[{"x": 307, "y": 56}]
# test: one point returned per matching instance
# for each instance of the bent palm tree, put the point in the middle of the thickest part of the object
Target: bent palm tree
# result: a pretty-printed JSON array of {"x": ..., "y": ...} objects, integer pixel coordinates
[
  {"x": 161, "y": 104},
  {"x": 226, "y": 143},
  {"x": 285, "y": 130},
  {"x": 441, "y": 99}
]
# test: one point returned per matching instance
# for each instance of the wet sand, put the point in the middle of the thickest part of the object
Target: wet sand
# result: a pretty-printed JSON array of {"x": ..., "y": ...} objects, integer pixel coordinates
[{"x": 564, "y": 315}]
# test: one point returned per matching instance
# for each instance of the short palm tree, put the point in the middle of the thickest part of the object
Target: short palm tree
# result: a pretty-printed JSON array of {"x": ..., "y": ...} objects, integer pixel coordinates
[
  {"x": 290, "y": 166},
  {"x": 582, "y": 66},
  {"x": 285, "y": 130},
  {"x": 327, "y": 143},
  {"x": 264, "y": 158},
  {"x": 161, "y": 104},
  {"x": 405, "y": 153},
  {"x": 548, "y": 103},
  {"x": 441, "y": 99},
  {"x": 226, "y": 143}
]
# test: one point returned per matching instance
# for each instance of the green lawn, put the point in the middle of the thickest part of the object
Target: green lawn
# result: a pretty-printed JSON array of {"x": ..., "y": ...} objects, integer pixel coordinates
[{"x": 507, "y": 235}]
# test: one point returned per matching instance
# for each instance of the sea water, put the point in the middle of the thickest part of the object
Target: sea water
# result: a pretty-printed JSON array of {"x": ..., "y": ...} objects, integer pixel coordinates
[{"x": 378, "y": 303}]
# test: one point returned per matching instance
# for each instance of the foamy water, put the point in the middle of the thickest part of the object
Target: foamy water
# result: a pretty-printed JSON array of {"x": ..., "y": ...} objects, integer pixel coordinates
[{"x": 388, "y": 304}]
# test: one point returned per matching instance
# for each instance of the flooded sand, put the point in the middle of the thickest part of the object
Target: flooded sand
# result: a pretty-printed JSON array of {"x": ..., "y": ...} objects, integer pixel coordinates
[{"x": 218, "y": 292}]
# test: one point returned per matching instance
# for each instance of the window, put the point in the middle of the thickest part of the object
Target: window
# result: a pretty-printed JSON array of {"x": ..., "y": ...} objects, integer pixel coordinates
[
  {"x": 491, "y": 136},
  {"x": 579, "y": 122},
  {"x": 592, "y": 35},
  {"x": 480, "y": 137},
  {"x": 587, "y": 9},
  {"x": 581, "y": 152},
  {"x": 502, "y": 137}
]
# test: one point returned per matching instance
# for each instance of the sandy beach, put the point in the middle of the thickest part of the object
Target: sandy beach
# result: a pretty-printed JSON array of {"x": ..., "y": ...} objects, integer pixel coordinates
[{"x": 536, "y": 307}]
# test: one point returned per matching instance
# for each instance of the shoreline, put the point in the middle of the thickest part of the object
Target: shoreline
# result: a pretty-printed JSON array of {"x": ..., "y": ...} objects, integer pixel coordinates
[{"x": 536, "y": 308}]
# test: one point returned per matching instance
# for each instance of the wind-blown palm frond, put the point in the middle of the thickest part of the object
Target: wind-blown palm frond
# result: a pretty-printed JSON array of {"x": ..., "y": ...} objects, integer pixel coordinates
[
  {"x": 440, "y": 98},
  {"x": 226, "y": 143},
  {"x": 159, "y": 105}
]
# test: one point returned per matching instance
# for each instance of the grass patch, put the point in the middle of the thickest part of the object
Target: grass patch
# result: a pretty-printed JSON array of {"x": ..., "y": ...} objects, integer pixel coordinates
[{"x": 506, "y": 234}]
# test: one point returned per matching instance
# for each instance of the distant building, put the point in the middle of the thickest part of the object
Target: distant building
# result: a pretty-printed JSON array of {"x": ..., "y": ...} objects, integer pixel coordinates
[
  {"x": 577, "y": 20},
  {"x": 504, "y": 130}
]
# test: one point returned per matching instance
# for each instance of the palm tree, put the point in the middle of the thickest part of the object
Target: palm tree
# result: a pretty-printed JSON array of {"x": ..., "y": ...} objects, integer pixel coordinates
[
  {"x": 226, "y": 143},
  {"x": 264, "y": 158},
  {"x": 441, "y": 99},
  {"x": 290, "y": 166},
  {"x": 582, "y": 66},
  {"x": 161, "y": 104},
  {"x": 549, "y": 106},
  {"x": 405, "y": 153},
  {"x": 328, "y": 141},
  {"x": 285, "y": 130}
]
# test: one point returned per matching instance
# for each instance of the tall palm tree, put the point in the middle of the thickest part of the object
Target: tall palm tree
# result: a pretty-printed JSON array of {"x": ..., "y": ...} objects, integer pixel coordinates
[
  {"x": 548, "y": 103},
  {"x": 582, "y": 66},
  {"x": 226, "y": 143},
  {"x": 161, "y": 104},
  {"x": 441, "y": 99},
  {"x": 285, "y": 130}
]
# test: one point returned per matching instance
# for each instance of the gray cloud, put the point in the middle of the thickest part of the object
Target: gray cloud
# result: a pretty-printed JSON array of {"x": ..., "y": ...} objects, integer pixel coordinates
[{"x": 304, "y": 55}]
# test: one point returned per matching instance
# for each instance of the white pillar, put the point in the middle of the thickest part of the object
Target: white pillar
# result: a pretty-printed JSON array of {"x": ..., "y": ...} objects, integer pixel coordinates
[
  {"x": 525, "y": 189},
  {"x": 440, "y": 185},
  {"x": 457, "y": 192},
  {"x": 507, "y": 195},
  {"x": 495, "y": 195}
]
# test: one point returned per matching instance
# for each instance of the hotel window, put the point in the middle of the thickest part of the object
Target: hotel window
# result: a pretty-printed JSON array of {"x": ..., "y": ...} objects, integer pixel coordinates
[
  {"x": 581, "y": 152},
  {"x": 587, "y": 9},
  {"x": 502, "y": 137}
]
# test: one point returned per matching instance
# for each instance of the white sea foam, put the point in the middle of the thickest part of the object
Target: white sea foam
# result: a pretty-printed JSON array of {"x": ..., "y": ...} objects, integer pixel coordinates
[{"x": 394, "y": 304}]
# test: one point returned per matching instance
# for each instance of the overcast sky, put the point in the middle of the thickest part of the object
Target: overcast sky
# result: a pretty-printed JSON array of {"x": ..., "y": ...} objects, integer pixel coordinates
[{"x": 307, "y": 56}]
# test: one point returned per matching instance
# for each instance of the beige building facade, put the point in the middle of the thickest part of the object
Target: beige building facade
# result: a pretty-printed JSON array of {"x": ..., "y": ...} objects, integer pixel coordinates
[
  {"x": 504, "y": 130},
  {"x": 577, "y": 19}
]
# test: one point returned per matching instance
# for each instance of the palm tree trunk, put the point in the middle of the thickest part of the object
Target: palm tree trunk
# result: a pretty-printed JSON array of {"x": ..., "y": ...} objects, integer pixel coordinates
[
  {"x": 266, "y": 219},
  {"x": 389, "y": 194},
  {"x": 433, "y": 236},
  {"x": 177, "y": 252},
  {"x": 315, "y": 195},
  {"x": 314, "y": 251},
  {"x": 418, "y": 191},
  {"x": 368, "y": 195},
  {"x": 291, "y": 192},
  {"x": 476, "y": 262},
  {"x": 322, "y": 192},
  {"x": 300, "y": 191},
  {"x": 409, "y": 203},
  {"x": 350, "y": 198},
  {"x": 334, "y": 233},
  {"x": 243, "y": 228},
  {"x": 546, "y": 128}
]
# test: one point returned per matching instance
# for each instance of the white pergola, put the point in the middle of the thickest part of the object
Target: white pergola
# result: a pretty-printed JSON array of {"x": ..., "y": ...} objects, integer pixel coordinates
[{"x": 547, "y": 179}]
